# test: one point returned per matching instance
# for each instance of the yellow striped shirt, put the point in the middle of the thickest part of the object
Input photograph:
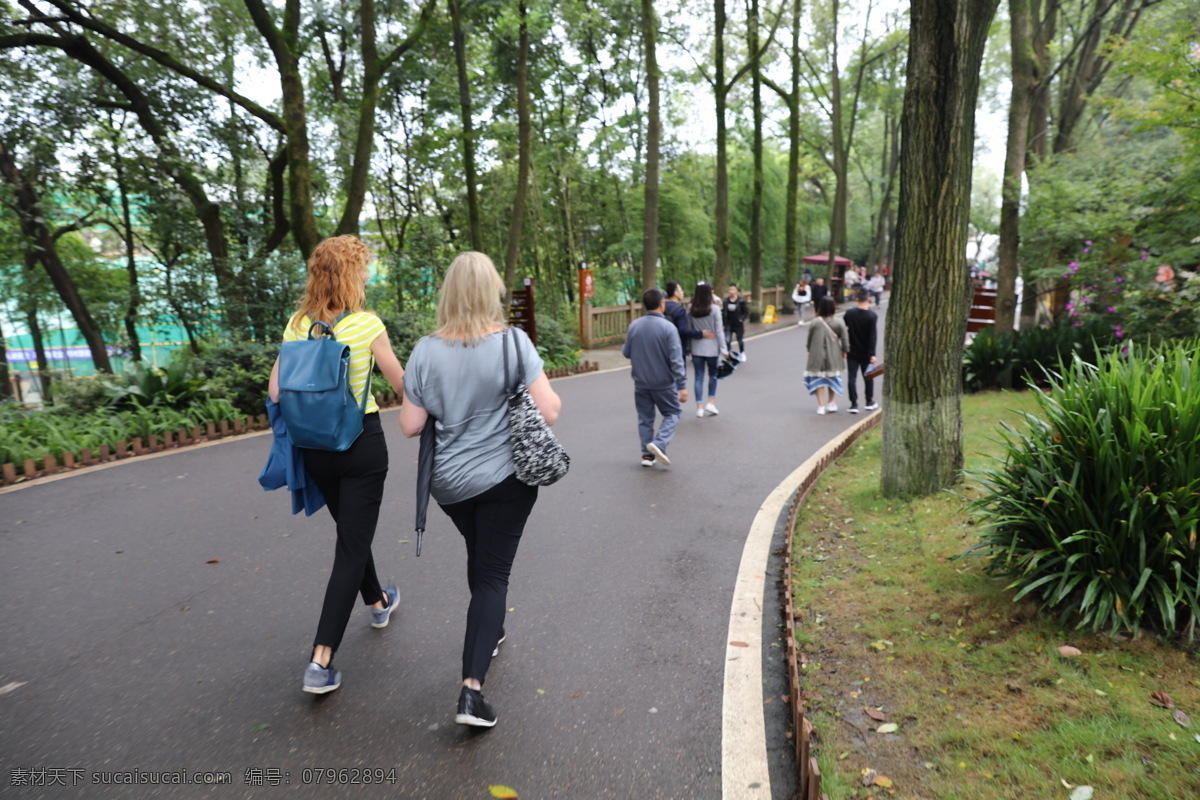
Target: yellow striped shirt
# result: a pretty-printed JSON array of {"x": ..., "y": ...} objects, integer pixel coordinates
[{"x": 357, "y": 330}]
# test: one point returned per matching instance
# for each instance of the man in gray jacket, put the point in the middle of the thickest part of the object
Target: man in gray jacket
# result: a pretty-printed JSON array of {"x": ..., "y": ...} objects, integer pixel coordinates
[{"x": 653, "y": 348}]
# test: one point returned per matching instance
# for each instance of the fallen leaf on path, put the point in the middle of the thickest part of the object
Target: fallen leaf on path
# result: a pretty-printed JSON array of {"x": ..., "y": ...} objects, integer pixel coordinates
[
  {"x": 1067, "y": 650},
  {"x": 1181, "y": 718},
  {"x": 876, "y": 714},
  {"x": 576, "y": 696},
  {"x": 889, "y": 727},
  {"x": 213, "y": 561},
  {"x": 1161, "y": 699},
  {"x": 739, "y": 644},
  {"x": 502, "y": 792}
]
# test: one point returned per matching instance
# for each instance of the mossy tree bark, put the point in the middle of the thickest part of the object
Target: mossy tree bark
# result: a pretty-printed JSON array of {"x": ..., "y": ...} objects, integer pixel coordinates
[
  {"x": 653, "y": 136},
  {"x": 922, "y": 435}
]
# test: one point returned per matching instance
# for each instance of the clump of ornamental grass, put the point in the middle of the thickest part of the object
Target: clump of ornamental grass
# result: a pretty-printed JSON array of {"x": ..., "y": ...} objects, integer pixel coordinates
[{"x": 1094, "y": 508}]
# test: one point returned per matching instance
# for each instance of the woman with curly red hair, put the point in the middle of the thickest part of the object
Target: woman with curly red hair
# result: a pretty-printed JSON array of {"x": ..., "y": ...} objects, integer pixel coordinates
[{"x": 351, "y": 481}]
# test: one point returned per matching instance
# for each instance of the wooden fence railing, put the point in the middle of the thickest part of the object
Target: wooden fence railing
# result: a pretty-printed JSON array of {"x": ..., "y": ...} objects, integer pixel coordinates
[
  {"x": 607, "y": 324},
  {"x": 52, "y": 464},
  {"x": 809, "y": 778}
]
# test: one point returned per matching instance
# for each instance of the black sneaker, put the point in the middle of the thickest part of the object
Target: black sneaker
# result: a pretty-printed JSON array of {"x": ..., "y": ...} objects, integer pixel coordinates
[
  {"x": 474, "y": 710},
  {"x": 499, "y": 642},
  {"x": 853, "y": 409}
]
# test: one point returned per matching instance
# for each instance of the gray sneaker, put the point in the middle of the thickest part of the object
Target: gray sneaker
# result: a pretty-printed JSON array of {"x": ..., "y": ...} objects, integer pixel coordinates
[
  {"x": 380, "y": 616},
  {"x": 321, "y": 680}
]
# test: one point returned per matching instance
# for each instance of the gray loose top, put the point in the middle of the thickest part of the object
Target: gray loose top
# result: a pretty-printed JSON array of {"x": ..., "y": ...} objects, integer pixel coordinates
[
  {"x": 708, "y": 347},
  {"x": 825, "y": 347},
  {"x": 463, "y": 389}
]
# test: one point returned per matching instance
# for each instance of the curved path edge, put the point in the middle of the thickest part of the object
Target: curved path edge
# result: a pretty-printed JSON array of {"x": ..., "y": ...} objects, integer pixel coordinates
[{"x": 744, "y": 766}]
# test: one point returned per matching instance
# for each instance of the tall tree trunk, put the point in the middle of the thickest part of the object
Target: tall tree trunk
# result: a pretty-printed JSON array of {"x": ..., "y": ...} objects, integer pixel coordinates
[
  {"x": 1020, "y": 106},
  {"x": 135, "y": 297},
  {"x": 756, "y": 200},
  {"x": 841, "y": 192},
  {"x": 39, "y": 343},
  {"x": 653, "y": 133},
  {"x": 720, "y": 91},
  {"x": 922, "y": 435},
  {"x": 468, "y": 130},
  {"x": 374, "y": 67},
  {"x": 524, "y": 156},
  {"x": 32, "y": 216}
]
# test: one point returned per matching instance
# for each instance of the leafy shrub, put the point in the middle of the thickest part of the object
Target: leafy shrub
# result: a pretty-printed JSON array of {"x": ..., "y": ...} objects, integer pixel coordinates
[
  {"x": 1095, "y": 509},
  {"x": 557, "y": 347},
  {"x": 26, "y": 434},
  {"x": 988, "y": 361},
  {"x": 239, "y": 373},
  {"x": 405, "y": 328},
  {"x": 1028, "y": 356},
  {"x": 80, "y": 395},
  {"x": 175, "y": 386}
]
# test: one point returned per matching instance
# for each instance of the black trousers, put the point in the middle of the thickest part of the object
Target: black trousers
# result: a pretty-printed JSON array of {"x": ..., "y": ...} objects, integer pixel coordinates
[
  {"x": 491, "y": 524},
  {"x": 853, "y": 367},
  {"x": 738, "y": 330},
  {"x": 352, "y": 484}
]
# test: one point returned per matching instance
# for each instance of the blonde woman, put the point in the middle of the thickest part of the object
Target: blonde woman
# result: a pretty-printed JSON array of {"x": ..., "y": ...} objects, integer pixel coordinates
[
  {"x": 457, "y": 377},
  {"x": 351, "y": 481}
]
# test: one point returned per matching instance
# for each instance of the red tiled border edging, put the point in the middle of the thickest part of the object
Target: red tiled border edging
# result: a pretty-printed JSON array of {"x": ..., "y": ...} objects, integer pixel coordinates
[{"x": 809, "y": 777}]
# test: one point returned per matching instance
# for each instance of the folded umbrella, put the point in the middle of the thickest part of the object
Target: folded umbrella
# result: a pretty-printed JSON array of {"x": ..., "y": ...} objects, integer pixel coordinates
[{"x": 424, "y": 478}]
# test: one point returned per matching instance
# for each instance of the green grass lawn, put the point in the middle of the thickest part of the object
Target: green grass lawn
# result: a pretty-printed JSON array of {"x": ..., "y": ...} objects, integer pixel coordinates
[{"x": 986, "y": 705}]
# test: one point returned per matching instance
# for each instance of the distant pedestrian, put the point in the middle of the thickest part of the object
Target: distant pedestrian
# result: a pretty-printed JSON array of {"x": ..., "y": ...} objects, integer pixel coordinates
[
  {"x": 350, "y": 480},
  {"x": 704, "y": 315},
  {"x": 828, "y": 344},
  {"x": 875, "y": 288},
  {"x": 819, "y": 290},
  {"x": 861, "y": 324},
  {"x": 801, "y": 296},
  {"x": 458, "y": 375},
  {"x": 653, "y": 347},
  {"x": 734, "y": 311}
]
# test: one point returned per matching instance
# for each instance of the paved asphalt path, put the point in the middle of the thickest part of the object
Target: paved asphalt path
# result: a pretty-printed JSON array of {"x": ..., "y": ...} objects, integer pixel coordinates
[{"x": 158, "y": 616}]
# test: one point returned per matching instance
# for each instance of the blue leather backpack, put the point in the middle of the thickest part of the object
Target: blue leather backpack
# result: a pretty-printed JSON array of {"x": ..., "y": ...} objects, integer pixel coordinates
[{"x": 315, "y": 398}]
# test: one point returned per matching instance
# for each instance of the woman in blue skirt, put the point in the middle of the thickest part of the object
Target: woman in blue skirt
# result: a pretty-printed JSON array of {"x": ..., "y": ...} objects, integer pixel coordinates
[{"x": 828, "y": 343}]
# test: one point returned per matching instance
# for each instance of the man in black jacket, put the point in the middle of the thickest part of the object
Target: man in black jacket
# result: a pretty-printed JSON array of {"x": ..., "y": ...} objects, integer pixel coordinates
[
  {"x": 733, "y": 317},
  {"x": 861, "y": 324}
]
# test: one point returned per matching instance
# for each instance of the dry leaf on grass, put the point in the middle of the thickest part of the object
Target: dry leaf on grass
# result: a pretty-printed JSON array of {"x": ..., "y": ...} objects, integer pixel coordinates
[
  {"x": 1161, "y": 699},
  {"x": 889, "y": 727},
  {"x": 875, "y": 714},
  {"x": 1181, "y": 718},
  {"x": 868, "y": 776},
  {"x": 1067, "y": 650}
]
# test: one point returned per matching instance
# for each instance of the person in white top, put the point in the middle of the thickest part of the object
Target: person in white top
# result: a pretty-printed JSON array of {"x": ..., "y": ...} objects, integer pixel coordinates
[{"x": 801, "y": 296}]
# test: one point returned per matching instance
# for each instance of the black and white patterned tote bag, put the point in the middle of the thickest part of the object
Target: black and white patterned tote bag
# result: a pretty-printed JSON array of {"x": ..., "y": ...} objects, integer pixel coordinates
[{"x": 538, "y": 455}]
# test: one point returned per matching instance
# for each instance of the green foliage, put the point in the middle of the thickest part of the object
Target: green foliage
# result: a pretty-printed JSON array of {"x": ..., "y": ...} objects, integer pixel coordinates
[
  {"x": 404, "y": 330},
  {"x": 557, "y": 347},
  {"x": 1008, "y": 360},
  {"x": 80, "y": 395},
  {"x": 28, "y": 434},
  {"x": 175, "y": 386},
  {"x": 1095, "y": 508},
  {"x": 239, "y": 373}
]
